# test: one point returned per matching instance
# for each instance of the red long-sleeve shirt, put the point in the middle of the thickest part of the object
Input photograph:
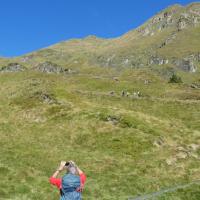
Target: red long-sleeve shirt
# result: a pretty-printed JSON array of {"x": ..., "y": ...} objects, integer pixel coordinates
[{"x": 58, "y": 181}]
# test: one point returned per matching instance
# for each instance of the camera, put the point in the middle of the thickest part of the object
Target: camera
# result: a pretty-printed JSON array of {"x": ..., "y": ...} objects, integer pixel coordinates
[{"x": 67, "y": 164}]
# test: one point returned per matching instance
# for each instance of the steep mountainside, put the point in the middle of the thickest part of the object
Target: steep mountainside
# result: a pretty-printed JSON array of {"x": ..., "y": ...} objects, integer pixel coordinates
[{"x": 171, "y": 38}]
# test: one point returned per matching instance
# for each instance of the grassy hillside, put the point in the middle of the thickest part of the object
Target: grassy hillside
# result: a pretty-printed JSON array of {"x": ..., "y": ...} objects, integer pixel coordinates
[
  {"x": 127, "y": 146},
  {"x": 71, "y": 107}
]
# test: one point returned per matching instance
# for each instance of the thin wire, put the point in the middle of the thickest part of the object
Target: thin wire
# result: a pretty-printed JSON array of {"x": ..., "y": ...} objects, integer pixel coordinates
[{"x": 162, "y": 191}]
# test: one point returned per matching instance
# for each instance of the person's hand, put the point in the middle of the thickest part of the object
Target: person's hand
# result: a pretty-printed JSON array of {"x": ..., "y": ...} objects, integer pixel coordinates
[
  {"x": 79, "y": 189},
  {"x": 72, "y": 162},
  {"x": 62, "y": 165}
]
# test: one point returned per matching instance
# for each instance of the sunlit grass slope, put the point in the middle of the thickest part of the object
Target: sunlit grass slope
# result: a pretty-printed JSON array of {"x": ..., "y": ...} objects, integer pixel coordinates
[{"x": 126, "y": 146}]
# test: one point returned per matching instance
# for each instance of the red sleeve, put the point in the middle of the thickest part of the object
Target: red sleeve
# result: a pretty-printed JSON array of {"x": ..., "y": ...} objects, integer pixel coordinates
[
  {"x": 56, "y": 182},
  {"x": 83, "y": 179}
]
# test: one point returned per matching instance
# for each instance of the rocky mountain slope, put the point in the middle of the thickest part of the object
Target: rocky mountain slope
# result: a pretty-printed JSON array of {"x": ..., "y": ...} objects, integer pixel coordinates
[{"x": 169, "y": 39}]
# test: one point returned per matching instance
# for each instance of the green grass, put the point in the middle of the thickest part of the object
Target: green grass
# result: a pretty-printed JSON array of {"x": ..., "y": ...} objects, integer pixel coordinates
[{"x": 110, "y": 137}]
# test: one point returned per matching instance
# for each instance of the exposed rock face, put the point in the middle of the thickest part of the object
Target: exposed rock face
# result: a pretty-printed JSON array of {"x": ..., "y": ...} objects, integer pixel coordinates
[
  {"x": 13, "y": 67},
  {"x": 158, "y": 61},
  {"x": 182, "y": 23},
  {"x": 186, "y": 64},
  {"x": 187, "y": 19},
  {"x": 177, "y": 17},
  {"x": 158, "y": 23},
  {"x": 49, "y": 67}
]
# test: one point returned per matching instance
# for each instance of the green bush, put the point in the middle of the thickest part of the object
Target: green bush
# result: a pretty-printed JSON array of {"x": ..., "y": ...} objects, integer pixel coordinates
[{"x": 175, "y": 79}]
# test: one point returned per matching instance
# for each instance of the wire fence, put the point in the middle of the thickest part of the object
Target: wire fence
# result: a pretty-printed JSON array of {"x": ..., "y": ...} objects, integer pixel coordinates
[{"x": 163, "y": 191}]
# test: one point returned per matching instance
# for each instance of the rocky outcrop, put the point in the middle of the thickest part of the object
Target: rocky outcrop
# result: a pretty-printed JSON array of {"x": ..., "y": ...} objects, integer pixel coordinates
[
  {"x": 176, "y": 17},
  {"x": 195, "y": 85},
  {"x": 182, "y": 23},
  {"x": 188, "y": 19},
  {"x": 113, "y": 119},
  {"x": 46, "y": 98},
  {"x": 159, "y": 22},
  {"x": 188, "y": 63},
  {"x": 13, "y": 67},
  {"x": 49, "y": 67},
  {"x": 155, "y": 60}
]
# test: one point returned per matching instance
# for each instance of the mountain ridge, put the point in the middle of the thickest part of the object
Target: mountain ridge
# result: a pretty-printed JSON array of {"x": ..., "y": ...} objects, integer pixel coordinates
[{"x": 169, "y": 39}]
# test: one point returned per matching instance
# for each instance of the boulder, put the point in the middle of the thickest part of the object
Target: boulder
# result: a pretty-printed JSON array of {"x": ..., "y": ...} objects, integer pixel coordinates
[
  {"x": 159, "y": 142},
  {"x": 45, "y": 97},
  {"x": 181, "y": 155},
  {"x": 171, "y": 161},
  {"x": 195, "y": 86},
  {"x": 136, "y": 95},
  {"x": 112, "y": 93},
  {"x": 194, "y": 155},
  {"x": 181, "y": 149},
  {"x": 113, "y": 119},
  {"x": 116, "y": 79},
  {"x": 194, "y": 147},
  {"x": 146, "y": 82}
]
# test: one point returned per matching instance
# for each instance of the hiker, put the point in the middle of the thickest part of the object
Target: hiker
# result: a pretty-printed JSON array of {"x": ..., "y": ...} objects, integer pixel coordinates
[{"x": 71, "y": 184}]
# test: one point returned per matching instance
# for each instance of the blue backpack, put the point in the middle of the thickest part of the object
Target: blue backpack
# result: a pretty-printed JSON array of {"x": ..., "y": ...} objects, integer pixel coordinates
[{"x": 70, "y": 183}]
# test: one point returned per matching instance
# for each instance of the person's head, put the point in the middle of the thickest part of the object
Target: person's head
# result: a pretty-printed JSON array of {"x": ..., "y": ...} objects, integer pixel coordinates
[{"x": 71, "y": 167}]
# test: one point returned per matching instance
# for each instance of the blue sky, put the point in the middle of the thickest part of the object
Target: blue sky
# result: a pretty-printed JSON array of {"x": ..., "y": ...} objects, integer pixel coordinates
[{"x": 28, "y": 25}]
